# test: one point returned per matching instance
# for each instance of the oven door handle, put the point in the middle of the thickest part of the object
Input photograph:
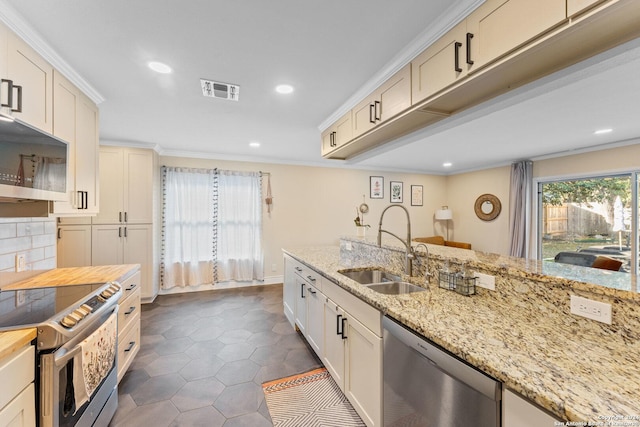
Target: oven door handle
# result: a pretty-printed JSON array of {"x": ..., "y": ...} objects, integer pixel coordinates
[{"x": 63, "y": 355}]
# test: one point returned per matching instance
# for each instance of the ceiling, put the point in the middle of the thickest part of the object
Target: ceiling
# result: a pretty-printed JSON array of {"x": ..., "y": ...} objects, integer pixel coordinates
[{"x": 333, "y": 52}]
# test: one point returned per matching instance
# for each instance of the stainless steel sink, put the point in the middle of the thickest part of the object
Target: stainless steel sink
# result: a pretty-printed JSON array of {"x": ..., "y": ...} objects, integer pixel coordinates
[
  {"x": 371, "y": 275},
  {"x": 395, "y": 288},
  {"x": 381, "y": 281}
]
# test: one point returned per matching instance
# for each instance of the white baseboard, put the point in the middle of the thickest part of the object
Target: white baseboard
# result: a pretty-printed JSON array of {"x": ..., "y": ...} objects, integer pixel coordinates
[{"x": 273, "y": 280}]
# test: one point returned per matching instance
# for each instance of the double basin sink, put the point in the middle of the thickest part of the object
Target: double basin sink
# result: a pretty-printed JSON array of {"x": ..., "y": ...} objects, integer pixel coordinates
[{"x": 381, "y": 281}]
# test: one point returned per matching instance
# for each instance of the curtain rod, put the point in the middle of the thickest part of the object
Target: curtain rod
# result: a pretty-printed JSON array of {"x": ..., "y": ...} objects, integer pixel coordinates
[{"x": 215, "y": 169}]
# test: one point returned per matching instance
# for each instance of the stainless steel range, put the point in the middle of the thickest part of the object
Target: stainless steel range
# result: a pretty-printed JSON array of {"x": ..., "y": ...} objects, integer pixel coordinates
[{"x": 76, "y": 347}]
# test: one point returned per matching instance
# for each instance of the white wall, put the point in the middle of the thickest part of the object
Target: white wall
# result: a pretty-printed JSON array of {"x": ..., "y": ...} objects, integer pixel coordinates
[
  {"x": 315, "y": 206},
  {"x": 462, "y": 192}
]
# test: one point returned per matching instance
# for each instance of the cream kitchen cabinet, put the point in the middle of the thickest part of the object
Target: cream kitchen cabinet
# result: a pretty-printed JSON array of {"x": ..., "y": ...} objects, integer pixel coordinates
[
  {"x": 353, "y": 352},
  {"x": 4, "y": 56},
  {"x": 338, "y": 134},
  {"x": 128, "y": 324},
  {"x": 344, "y": 331},
  {"x": 389, "y": 100},
  {"x": 74, "y": 245},
  {"x": 17, "y": 394},
  {"x": 441, "y": 64},
  {"x": 126, "y": 193},
  {"x": 125, "y": 244},
  {"x": 519, "y": 412},
  {"x": 75, "y": 120},
  {"x": 499, "y": 26},
  {"x": 309, "y": 303},
  {"x": 576, "y": 6},
  {"x": 29, "y": 79},
  {"x": 289, "y": 290}
]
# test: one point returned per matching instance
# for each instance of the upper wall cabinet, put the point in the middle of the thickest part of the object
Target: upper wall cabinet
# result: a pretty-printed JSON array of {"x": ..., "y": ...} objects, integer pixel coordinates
[
  {"x": 577, "y": 6},
  {"x": 75, "y": 120},
  {"x": 338, "y": 134},
  {"x": 442, "y": 63},
  {"x": 390, "y": 99},
  {"x": 499, "y": 26},
  {"x": 502, "y": 45},
  {"x": 28, "y": 85}
]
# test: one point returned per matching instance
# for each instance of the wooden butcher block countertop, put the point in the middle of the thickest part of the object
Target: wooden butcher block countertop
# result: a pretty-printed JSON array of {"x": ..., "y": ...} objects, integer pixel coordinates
[
  {"x": 12, "y": 341},
  {"x": 76, "y": 276}
]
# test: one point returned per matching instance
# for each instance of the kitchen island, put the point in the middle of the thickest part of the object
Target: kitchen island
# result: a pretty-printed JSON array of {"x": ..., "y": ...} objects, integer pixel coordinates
[{"x": 521, "y": 334}]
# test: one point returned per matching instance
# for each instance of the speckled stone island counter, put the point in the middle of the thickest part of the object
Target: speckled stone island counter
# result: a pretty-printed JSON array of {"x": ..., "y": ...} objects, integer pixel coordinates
[{"x": 522, "y": 333}]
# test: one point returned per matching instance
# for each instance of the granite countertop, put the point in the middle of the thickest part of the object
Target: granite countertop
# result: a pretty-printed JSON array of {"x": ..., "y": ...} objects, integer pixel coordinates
[{"x": 560, "y": 367}]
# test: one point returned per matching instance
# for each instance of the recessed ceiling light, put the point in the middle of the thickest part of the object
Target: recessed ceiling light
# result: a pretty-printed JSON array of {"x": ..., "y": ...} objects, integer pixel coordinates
[
  {"x": 447, "y": 164},
  {"x": 284, "y": 89},
  {"x": 159, "y": 67},
  {"x": 254, "y": 144},
  {"x": 602, "y": 131}
]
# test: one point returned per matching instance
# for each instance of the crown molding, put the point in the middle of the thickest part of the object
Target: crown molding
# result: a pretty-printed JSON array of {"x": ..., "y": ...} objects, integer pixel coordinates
[
  {"x": 16, "y": 23},
  {"x": 443, "y": 23}
]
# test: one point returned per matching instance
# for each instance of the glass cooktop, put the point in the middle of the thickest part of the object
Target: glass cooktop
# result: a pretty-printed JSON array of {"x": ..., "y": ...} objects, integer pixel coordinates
[{"x": 29, "y": 307}]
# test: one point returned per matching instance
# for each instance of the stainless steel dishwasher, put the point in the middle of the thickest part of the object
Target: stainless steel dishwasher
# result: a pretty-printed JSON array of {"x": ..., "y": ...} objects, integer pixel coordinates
[{"x": 426, "y": 386}]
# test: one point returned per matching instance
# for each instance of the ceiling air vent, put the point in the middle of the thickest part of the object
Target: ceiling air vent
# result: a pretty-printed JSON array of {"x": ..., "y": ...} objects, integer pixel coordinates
[{"x": 220, "y": 90}]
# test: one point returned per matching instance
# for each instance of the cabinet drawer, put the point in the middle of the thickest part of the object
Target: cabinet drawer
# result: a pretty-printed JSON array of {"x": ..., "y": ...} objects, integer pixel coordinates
[
  {"x": 130, "y": 285},
  {"x": 366, "y": 314},
  {"x": 308, "y": 275},
  {"x": 16, "y": 372},
  {"x": 128, "y": 346},
  {"x": 128, "y": 310}
]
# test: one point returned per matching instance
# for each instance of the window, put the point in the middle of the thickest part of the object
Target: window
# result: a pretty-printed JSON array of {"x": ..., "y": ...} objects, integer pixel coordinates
[
  {"x": 583, "y": 218},
  {"x": 211, "y": 228}
]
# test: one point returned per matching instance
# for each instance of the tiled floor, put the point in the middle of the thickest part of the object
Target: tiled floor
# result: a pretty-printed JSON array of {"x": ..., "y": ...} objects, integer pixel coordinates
[{"x": 204, "y": 357}]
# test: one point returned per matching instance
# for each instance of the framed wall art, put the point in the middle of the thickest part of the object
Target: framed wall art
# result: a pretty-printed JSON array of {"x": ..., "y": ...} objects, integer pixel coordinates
[
  {"x": 376, "y": 187},
  {"x": 416, "y": 195},
  {"x": 395, "y": 189}
]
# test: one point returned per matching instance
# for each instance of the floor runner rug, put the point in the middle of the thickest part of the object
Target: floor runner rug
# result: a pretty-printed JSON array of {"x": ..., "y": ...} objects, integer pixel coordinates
[{"x": 307, "y": 400}]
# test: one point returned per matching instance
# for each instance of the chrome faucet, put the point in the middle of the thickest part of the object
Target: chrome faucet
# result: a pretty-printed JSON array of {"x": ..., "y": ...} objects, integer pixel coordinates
[
  {"x": 426, "y": 261},
  {"x": 409, "y": 255}
]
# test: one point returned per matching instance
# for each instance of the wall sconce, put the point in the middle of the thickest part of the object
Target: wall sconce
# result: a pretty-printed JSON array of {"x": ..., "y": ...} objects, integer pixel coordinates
[{"x": 444, "y": 214}]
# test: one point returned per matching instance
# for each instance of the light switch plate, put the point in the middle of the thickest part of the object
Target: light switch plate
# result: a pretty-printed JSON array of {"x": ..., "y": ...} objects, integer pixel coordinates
[{"x": 594, "y": 310}]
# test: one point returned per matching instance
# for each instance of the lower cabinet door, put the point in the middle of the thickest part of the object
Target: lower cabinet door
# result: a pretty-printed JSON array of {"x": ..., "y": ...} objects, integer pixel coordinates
[
  {"x": 315, "y": 325},
  {"x": 301, "y": 305},
  {"x": 21, "y": 411},
  {"x": 334, "y": 344},
  {"x": 363, "y": 371}
]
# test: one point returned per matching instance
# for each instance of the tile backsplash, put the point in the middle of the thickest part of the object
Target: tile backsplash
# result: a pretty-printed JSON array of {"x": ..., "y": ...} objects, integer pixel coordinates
[{"x": 33, "y": 237}]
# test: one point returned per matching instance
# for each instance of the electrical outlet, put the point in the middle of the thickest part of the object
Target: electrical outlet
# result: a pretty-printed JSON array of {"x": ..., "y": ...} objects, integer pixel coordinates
[
  {"x": 21, "y": 263},
  {"x": 347, "y": 246},
  {"x": 485, "y": 281},
  {"x": 594, "y": 310},
  {"x": 274, "y": 267},
  {"x": 21, "y": 298}
]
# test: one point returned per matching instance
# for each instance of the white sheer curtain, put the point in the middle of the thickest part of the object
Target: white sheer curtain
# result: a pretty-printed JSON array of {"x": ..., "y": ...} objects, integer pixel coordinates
[
  {"x": 212, "y": 227},
  {"x": 188, "y": 241},
  {"x": 239, "y": 226}
]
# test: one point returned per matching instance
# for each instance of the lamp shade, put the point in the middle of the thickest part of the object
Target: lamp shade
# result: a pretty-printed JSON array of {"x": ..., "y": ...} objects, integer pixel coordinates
[{"x": 444, "y": 213}]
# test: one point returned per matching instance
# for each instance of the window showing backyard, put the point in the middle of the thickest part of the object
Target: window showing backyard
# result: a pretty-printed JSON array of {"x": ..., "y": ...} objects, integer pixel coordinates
[{"x": 588, "y": 222}]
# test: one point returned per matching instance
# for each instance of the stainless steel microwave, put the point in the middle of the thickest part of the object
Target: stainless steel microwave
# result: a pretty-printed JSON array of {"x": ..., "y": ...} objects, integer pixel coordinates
[{"x": 33, "y": 164}]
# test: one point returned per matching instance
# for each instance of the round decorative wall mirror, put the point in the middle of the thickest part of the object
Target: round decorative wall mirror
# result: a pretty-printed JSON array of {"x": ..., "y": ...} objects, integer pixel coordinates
[{"x": 487, "y": 207}]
